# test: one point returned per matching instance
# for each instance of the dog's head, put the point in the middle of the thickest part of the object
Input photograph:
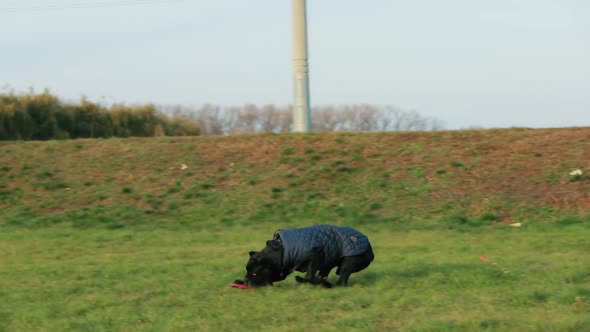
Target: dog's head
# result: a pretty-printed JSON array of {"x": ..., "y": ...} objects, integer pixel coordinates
[{"x": 264, "y": 267}]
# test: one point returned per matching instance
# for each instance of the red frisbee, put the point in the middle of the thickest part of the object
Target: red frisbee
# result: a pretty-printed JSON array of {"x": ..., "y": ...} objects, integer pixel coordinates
[{"x": 239, "y": 286}]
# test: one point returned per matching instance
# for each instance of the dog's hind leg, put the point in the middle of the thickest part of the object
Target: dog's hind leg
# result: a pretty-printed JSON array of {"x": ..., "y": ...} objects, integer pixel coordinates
[
  {"x": 353, "y": 264},
  {"x": 345, "y": 269}
]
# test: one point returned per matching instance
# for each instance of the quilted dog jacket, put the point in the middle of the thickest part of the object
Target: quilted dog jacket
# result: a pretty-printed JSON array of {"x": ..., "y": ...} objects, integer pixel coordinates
[{"x": 334, "y": 241}]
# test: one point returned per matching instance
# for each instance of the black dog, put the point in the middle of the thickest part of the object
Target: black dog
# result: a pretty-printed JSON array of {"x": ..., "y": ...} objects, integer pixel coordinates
[{"x": 315, "y": 250}]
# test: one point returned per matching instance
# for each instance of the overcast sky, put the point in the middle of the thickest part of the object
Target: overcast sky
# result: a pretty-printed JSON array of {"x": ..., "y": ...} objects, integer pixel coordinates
[{"x": 468, "y": 63}]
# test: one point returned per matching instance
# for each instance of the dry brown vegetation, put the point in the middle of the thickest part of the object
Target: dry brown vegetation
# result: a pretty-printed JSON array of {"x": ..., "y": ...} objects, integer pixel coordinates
[{"x": 501, "y": 175}]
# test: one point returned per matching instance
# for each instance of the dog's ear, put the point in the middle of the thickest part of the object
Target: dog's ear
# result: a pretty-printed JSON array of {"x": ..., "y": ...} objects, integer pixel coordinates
[
  {"x": 274, "y": 244},
  {"x": 252, "y": 253}
]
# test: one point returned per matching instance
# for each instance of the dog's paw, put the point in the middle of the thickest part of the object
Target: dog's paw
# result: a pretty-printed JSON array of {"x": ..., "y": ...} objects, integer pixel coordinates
[
  {"x": 300, "y": 279},
  {"x": 239, "y": 282},
  {"x": 326, "y": 284}
]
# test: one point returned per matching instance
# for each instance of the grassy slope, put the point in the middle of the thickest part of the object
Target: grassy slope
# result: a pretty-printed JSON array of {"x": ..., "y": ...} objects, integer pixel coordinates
[
  {"x": 100, "y": 235},
  {"x": 510, "y": 175}
]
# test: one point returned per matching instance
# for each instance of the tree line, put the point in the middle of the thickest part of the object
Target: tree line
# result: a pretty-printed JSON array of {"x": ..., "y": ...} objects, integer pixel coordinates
[
  {"x": 42, "y": 116},
  {"x": 217, "y": 120}
]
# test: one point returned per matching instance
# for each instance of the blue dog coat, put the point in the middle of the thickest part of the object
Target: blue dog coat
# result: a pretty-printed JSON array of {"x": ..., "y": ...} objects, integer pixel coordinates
[{"x": 335, "y": 242}]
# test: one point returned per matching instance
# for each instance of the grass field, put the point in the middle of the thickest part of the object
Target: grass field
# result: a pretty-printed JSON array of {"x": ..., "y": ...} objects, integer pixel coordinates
[
  {"x": 147, "y": 234},
  {"x": 175, "y": 278}
]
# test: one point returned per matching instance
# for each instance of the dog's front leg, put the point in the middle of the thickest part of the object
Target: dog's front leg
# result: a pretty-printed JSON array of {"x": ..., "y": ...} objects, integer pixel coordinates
[{"x": 311, "y": 274}]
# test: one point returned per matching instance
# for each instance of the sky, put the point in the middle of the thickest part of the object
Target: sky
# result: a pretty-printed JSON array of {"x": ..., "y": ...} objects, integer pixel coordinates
[{"x": 488, "y": 64}]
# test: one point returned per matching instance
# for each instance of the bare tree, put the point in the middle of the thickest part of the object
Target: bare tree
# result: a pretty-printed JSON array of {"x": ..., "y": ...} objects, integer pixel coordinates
[
  {"x": 215, "y": 120},
  {"x": 212, "y": 119},
  {"x": 269, "y": 119},
  {"x": 325, "y": 118},
  {"x": 367, "y": 117},
  {"x": 286, "y": 119}
]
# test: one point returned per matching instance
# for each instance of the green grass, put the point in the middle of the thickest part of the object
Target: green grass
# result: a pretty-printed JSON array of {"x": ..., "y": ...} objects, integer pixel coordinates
[
  {"x": 114, "y": 269},
  {"x": 117, "y": 235}
]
